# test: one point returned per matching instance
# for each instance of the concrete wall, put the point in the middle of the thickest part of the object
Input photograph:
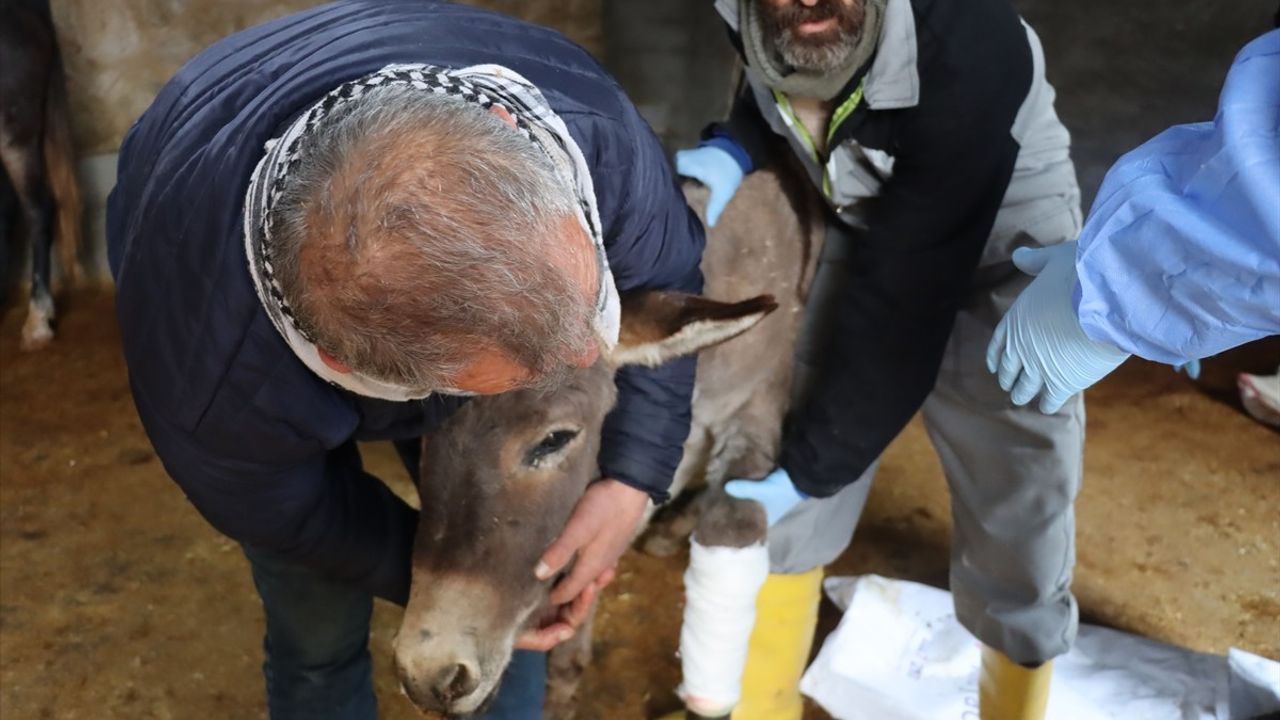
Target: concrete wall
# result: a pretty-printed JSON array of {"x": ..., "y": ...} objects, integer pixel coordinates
[
  {"x": 1124, "y": 71},
  {"x": 675, "y": 61},
  {"x": 119, "y": 53}
]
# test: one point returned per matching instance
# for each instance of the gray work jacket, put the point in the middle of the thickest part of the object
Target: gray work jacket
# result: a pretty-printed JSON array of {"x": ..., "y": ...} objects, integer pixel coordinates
[{"x": 944, "y": 153}]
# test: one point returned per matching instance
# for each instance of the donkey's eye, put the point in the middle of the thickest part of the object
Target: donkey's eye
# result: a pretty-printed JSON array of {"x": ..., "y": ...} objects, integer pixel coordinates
[{"x": 553, "y": 443}]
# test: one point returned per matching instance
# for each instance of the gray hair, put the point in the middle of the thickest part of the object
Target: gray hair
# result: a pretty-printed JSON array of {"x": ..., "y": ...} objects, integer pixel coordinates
[{"x": 418, "y": 229}]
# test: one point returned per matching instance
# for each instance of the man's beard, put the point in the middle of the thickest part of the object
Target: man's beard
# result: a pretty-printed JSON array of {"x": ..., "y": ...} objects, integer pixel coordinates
[{"x": 813, "y": 52}]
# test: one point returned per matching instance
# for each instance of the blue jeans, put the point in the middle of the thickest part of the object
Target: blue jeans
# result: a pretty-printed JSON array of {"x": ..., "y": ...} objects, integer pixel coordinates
[{"x": 317, "y": 651}]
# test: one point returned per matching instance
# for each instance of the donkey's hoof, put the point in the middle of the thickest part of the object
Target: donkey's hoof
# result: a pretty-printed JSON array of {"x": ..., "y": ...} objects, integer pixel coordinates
[
  {"x": 560, "y": 710},
  {"x": 661, "y": 545},
  {"x": 36, "y": 334},
  {"x": 36, "y": 330},
  {"x": 561, "y": 701}
]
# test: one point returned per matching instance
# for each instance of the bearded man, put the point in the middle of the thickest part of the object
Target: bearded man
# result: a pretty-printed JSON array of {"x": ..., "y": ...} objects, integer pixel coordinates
[{"x": 929, "y": 130}]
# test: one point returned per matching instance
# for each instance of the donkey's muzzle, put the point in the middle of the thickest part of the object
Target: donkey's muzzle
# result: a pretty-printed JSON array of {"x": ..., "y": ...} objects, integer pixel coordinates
[
  {"x": 450, "y": 688},
  {"x": 455, "y": 682}
]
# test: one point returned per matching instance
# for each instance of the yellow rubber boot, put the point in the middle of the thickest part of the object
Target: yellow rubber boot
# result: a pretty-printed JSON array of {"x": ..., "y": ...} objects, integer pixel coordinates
[
  {"x": 1009, "y": 691},
  {"x": 786, "y": 617}
]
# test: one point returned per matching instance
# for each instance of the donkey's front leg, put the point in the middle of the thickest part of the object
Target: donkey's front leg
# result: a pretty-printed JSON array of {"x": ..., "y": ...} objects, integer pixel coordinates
[
  {"x": 565, "y": 664},
  {"x": 728, "y": 564}
]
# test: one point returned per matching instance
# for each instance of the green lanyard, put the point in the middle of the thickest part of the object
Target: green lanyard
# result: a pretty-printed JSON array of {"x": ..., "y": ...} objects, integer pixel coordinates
[{"x": 841, "y": 114}]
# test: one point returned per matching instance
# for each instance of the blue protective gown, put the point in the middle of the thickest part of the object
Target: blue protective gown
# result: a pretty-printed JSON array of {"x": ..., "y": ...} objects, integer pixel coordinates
[{"x": 1180, "y": 256}]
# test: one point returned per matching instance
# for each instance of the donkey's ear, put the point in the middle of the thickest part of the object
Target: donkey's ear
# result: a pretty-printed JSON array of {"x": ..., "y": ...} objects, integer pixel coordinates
[{"x": 659, "y": 325}]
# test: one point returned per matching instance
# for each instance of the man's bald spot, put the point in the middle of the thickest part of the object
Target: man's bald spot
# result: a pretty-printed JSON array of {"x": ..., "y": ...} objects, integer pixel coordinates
[
  {"x": 421, "y": 231},
  {"x": 489, "y": 371}
]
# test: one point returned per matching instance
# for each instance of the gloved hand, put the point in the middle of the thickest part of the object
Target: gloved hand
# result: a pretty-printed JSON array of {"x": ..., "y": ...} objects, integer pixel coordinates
[
  {"x": 1190, "y": 367},
  {"x": 1039, "y": 346},
  {"x": 714, "y": 168},
  {"x": 776, "y": 493}
]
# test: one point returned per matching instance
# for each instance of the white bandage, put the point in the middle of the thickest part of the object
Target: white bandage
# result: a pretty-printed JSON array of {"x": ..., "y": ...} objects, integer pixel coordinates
[{"x": 720, "y": 589}]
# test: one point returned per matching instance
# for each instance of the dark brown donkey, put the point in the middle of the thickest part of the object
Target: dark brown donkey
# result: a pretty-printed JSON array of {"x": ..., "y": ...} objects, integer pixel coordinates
[
  {"x": 502, "y": 476},
  {"x": 38, "y": 178}
]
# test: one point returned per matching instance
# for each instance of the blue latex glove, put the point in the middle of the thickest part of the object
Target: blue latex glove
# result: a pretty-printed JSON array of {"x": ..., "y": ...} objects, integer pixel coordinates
[
  {"x": 1039, "y": 347},
  {"x": 776, "y": 493},
  {"x": 714, "y": 168},
  {"x": 1191, "y": 368}
]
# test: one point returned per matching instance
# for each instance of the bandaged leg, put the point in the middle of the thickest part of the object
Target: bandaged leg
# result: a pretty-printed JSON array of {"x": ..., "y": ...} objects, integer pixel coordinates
[{"x": 721, "y": 586}]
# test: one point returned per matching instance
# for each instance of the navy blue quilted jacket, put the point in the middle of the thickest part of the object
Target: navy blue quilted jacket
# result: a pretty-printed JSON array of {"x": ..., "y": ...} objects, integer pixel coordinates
[{"x": 263, "y": 448}]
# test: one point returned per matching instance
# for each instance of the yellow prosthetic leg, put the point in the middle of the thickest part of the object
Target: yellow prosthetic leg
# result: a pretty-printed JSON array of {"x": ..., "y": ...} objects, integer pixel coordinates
[
  {"x": 786, "y": 618},
  {"x": 1009, "y": 691}
]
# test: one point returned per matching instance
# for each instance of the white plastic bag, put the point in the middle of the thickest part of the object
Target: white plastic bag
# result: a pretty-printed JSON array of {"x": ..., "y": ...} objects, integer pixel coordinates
[{"x": 900, "y": 654}]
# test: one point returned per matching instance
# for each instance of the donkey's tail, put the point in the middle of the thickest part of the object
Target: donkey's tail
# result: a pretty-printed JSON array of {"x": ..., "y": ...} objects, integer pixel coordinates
[{"x": 59, "y": 156}]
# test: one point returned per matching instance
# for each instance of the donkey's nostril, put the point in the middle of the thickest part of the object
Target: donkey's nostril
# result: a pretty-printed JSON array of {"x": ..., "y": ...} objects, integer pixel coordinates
[{"x": 455, "y": 682}]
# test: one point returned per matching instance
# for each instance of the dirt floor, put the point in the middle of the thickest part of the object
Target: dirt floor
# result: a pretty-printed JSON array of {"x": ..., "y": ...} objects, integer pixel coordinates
[{"x": 118, "y": 601}]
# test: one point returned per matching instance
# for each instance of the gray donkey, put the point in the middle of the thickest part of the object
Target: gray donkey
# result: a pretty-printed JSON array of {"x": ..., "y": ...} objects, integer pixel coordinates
[{"x": 501, "y": 477}]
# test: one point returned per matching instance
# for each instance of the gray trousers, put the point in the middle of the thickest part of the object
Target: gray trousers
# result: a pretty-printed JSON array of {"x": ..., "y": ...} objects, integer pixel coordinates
[{"x": 1013, "y": 474}]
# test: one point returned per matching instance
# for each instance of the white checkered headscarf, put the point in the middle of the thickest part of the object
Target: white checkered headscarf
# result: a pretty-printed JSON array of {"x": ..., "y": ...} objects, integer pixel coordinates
[{"x": 484, "y": 85}]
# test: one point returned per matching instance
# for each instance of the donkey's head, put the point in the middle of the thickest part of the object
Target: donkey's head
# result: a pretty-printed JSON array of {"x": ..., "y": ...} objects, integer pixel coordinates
[{"x": 499, "y": 481}]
